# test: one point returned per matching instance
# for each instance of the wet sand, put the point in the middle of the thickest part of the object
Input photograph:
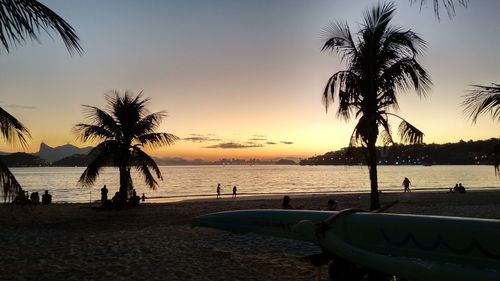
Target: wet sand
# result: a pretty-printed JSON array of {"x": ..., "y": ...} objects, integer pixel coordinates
[{"x": 156, "y": 242}]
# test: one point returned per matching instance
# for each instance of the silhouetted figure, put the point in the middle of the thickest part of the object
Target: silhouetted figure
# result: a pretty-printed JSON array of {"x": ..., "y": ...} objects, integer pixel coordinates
[
  {"x": 234, "y": 191},
  {"x": 332, "y": 205},
  {"x": 461, "y": 188},
  {"x": 21, "y": 198},
  {"x": 46, "y": 198},
  {"x": 143, "y": 197},
  {"x": 406, "y": 184},
  {"x": 135, "y": 200},
  {"x": 116, "y": 200},
  {"x": 35, "y": 198},
  {"x": 218, "y": 191},
  {"x": 104, "y": 194},
  {"x": 286, "y": 202}
]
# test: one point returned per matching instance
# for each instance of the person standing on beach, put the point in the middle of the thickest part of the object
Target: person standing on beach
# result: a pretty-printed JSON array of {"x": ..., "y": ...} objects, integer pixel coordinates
[
  {"x": 406, "y": 184},
  {"x": 218, "y": 190},
  {"x": 234, "y": 191},
  {"x": 104, "y": 194}
]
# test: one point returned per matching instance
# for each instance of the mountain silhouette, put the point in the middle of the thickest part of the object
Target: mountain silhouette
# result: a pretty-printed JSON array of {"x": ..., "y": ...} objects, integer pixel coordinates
[{"x": 52, "y": 154}]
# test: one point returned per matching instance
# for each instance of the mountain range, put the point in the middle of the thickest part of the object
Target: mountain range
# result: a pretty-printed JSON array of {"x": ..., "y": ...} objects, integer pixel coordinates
[{"x": 70, "y": 156}]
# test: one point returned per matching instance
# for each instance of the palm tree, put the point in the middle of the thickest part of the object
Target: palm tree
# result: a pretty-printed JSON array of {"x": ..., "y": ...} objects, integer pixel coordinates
[
  {"x": 21, "y": 20},
  {"x": 483, "y": 100},
  {"x": 381, "y": 63},
  {"x": 123, "y": 131}
]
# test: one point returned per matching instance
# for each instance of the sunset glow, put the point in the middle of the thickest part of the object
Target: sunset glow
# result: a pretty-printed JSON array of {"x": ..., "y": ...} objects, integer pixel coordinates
[{"x": 239, "y": 79}]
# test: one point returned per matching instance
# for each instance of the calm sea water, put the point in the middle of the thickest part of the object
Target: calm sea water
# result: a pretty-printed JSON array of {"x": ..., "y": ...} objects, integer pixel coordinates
[{"x": 202, "y": 180}]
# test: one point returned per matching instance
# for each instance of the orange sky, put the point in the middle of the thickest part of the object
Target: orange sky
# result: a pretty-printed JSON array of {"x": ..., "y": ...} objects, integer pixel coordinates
[{"x": 238, "y": 74}]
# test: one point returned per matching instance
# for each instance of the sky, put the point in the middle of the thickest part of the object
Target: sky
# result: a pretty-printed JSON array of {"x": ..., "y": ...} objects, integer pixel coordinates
[{"x": 239, "y": 79}]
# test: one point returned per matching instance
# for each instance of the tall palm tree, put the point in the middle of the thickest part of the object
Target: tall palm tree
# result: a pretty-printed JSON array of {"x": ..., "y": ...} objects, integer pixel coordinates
[
  {"x": 381, "y": 63},
  {"x": 123, "y": 131},
  {"x": 483, "y": 100},
  {"x": 21, "y": 20}
]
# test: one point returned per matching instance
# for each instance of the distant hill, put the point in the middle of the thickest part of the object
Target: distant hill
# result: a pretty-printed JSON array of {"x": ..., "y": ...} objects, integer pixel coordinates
[
  {"x": 176, "y": 161},
  {"x": 52, "y": 154},
  {"x": 21, "y": 159},
  {"x": 75, "y": 160},
  {"x": 460, "y": 153},
  {"x": 285, "y": 162}
]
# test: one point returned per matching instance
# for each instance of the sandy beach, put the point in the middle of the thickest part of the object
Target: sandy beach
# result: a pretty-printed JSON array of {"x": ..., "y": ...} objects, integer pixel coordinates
[{"x": 156, "y": 242}]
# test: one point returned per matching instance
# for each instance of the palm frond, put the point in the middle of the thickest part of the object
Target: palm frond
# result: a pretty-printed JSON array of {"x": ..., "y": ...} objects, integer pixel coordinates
[
  {"x": 126, "y": 109},
  {"x": 339, "y": 39},
  {"x": 409, "y": 133},
  {"x": 157, "y": 139},
  {"x": 449, "y": 6},
  {"x": 366, "y": 130},
  {"x": 12, "y": 130},
  {"x": 398, "y": 43},
  {"x": 386, "y": 135},
  {"x": 8, "y": 181},
  {"x": 481, "y": 100},
  {"x": 343, "y": 84},
  {"x": 377, "y": 19},
  {"x": 100, "y": 156},
  {"x": 21, "y": 20},
  {"x": 99, "y": 117},
  {"x": 144, "y": 163},
  {"x": 405, "y": 74},
  {"x": 149, "y": 123},
  {"x": 89, "y": 132}
]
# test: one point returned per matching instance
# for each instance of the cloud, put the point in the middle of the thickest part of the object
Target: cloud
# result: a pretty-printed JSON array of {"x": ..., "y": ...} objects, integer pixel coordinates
[
  {"x": 270, "y": 143},
  {"x": 234, "y": 145},
  {"x": 20, "y": 106},
  {"x": 201, "y": 138},
  {"x": 258, "y": 139},
  {"x": 286, "y": 142}
]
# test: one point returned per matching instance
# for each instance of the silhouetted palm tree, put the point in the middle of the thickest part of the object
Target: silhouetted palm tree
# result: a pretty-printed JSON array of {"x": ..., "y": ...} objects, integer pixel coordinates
[
  {"x": 483, "y": 100},
  {"x": 21, "y": 20},
  {"x": 123, "y": 130},
  {"x": 380, "y": 64}
]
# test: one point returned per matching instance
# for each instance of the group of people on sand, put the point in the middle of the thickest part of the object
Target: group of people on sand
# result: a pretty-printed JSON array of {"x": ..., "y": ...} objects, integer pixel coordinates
[
  {"x": 458, "y": 188},
  {"x": 23, "y": 197},
  {"x": 115, "y": 202},
  {"x": 331, "y": 204},
  {"x": 219, "y": 191}
]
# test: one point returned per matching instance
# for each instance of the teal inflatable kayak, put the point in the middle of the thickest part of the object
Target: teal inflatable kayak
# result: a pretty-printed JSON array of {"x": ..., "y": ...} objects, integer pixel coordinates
[{"x": 415, "y": 247}]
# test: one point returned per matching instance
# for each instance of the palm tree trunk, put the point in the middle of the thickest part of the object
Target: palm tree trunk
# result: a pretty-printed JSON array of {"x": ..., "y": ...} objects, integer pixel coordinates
[
  {"x": 372, "y": 165},
  {"x": 124, "y": 183}
]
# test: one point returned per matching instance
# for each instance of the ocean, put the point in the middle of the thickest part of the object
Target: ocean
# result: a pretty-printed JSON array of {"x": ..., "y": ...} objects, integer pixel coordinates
[{"x": 184, "y": 182}]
